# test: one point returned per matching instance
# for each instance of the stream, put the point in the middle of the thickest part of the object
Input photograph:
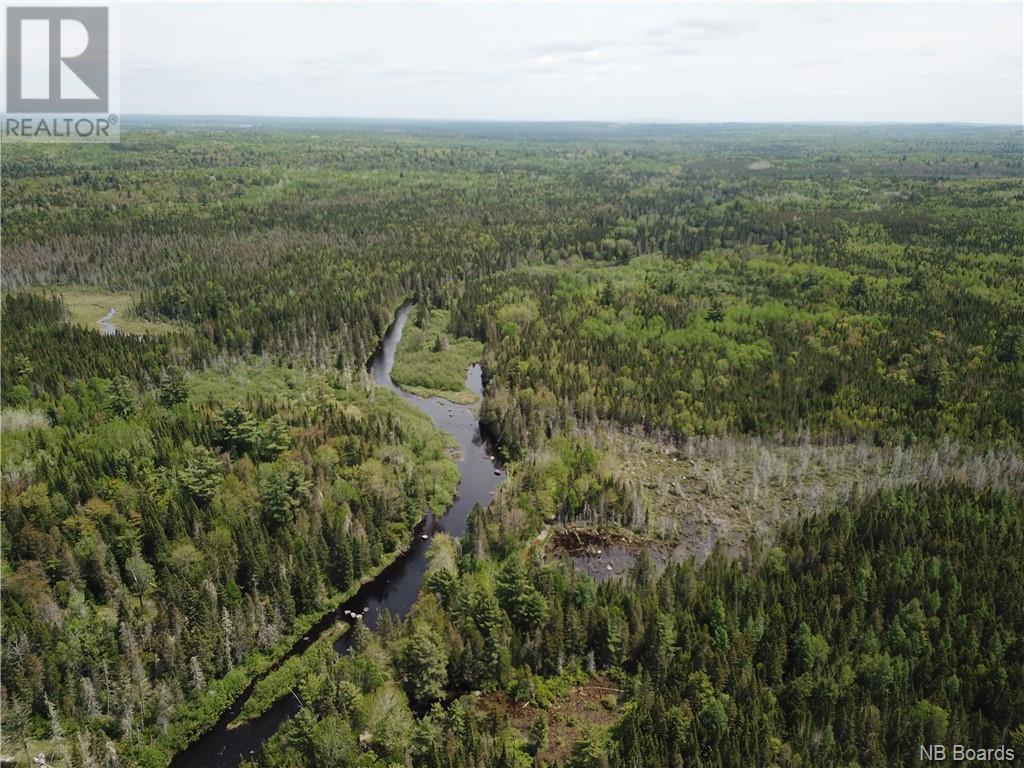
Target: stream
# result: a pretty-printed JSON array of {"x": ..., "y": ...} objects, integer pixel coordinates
[
  {"x": 106, "y": 327},
  {"x": 397, "y": 587}
]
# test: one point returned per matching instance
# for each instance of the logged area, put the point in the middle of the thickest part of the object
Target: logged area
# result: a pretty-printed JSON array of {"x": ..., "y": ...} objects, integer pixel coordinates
[{"x": 753, "y": 395}]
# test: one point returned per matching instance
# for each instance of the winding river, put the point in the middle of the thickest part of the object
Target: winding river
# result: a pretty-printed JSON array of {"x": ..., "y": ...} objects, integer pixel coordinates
[{"x": 397, "y": 587}]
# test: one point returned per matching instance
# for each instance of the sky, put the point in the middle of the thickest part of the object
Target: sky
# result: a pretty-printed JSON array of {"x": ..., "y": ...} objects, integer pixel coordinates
[{"x": 668, "y": 62}]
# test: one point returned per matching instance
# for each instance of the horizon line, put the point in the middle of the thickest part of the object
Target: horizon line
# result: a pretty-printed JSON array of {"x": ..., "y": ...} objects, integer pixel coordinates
[{"x": 566, "y": 121}]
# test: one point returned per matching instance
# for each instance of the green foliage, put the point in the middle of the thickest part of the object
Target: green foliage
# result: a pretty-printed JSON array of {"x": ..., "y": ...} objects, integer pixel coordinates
[
  {"x": 56, "y": 353},
  {"x": 429, "y": 363},
  {"x": 539, "y": 733},
  {"x": 833, "y": 648},
  {"x": 201, "y": 475},
  {"x": 859, "y": 659},
  {"x": 525, "y": 605},
  {"x": 287, "y": 677},
  {"x": 274, "y": 439},
  {"x": 424, "y": 664},
  {"x": 124, "y": 521},
  {"x": 121, "y": 399},
  {"x": 239, "y": 431},
  {"x": 759, "y": 341},
  {"x": 173, "y": 387},
  {"x": 166, "y": 530},
  {"x": 590, "y": 752},
  {"x": 283, "y": 492}
]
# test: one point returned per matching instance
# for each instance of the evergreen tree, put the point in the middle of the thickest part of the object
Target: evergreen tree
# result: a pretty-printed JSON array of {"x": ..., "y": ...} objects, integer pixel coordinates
[
  {"x": 424, "y": 663},
  {"x": 173, "y": 387}
]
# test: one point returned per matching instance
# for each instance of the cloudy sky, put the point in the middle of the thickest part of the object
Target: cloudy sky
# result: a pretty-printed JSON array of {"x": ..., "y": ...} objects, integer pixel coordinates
[{"x": 668, "y": 62}]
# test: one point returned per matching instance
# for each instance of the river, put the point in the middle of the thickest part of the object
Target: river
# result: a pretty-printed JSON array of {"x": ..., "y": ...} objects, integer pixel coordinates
[{"x": 397, "y": 587}]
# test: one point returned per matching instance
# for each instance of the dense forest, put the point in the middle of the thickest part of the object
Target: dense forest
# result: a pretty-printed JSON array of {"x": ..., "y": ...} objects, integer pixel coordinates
[
  {"x": 155, "y": 541},
  {"x": 801, "y": 654},
  {"x": 759, "y": 340},
  {"x": 178, "y": 507}
]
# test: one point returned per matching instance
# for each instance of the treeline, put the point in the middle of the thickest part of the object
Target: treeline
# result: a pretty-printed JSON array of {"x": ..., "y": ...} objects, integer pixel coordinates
[
  {"x": 864, "y": 633},
  {"x": 160, "y": 547}
]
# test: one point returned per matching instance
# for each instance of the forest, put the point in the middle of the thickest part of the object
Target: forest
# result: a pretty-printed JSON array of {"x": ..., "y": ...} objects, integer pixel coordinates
[
  {"x": 810, "y": 339},
  {"x": 800, "y": 654},
  {"x": 164, "y": 539}
]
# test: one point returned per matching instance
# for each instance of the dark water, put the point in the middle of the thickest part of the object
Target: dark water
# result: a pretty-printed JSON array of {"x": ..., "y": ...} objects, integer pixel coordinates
[{"x": 397, "y": 587}]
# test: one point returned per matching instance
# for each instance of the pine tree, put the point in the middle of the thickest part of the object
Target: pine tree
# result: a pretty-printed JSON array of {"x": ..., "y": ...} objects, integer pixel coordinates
[
  {"x": 361, "y": 636},
  {"x": 539, "y": 733},
  {"x": 425, "y": 664},
  {"x": 121, "y": 398},
  {"x": 275, "y": 438},
  {"x": 201, "y": 475},
  {"x": 173, "y": 388}
]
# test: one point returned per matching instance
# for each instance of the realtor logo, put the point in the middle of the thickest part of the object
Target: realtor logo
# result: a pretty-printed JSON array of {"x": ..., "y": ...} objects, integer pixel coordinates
[
  {"x": 58, "y": 60},
  {"x": 61, "y": 82}
]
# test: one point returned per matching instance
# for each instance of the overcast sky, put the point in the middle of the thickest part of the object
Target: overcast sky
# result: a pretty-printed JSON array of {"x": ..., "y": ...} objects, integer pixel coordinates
[{"x": 659, "y": 62}]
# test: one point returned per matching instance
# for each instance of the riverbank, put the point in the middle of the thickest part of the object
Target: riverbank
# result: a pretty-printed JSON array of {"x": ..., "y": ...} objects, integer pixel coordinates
[
  {"x": 286, "y": 677},
  {"x": 276, "y": 683},
  {"x": 199, "y": 715},
  {"x": 397, "y": 585},
  {"x": 430, "y": 362},
  {"x": 223, "y": 699}
]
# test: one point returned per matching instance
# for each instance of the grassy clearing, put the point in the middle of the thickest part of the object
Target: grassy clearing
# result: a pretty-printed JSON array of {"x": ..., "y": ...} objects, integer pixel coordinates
[
  {"x": 87, "y": 306},
  {"x": 430, "y": 363},
  {"x": 725, "y": 489}
]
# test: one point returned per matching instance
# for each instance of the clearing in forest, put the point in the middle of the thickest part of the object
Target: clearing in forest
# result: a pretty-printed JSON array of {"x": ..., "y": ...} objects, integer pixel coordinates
[
  {"x": 726, "y": 489},
  {"x": 430, "y": 362},
  {"x": 589, "y": 703},
  {"x": 87, "y": 306}
]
